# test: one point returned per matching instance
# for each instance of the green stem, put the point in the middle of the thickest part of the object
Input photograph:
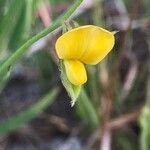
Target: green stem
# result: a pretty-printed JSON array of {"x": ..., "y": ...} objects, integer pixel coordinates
[{"x": 19, "y": 52}]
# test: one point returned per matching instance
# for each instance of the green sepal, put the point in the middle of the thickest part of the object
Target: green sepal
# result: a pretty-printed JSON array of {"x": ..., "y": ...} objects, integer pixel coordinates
[
  {"x": 72, "y": 90},
  {"x": 67, "y": 26}
]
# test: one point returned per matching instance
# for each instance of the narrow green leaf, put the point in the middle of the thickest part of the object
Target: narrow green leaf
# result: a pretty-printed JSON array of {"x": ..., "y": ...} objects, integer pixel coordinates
[
  {"x": 4, "y": 79},
  {"x": 16, "y": 121},
  {"x": 145, "y": 122},
  {"x": 23, "y": 26},
  {"x": 87, "y": 110},
  {"x": 9, "y": 21},
  {"x": 145, "y": 129},
  {"x": 28, "y": 16},
  {"x": 20, "y": 52}
]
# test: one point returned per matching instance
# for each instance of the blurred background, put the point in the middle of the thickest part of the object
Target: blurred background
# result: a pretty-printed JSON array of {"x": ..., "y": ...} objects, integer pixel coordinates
[{"x": 113, "y": 109}]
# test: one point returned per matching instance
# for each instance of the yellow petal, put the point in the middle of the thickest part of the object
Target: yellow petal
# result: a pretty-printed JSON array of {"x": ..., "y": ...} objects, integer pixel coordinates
[
  {"x": 89, "y": 44},
  {"x": 71, "y": 44},
  {"x": 75, "y": 72},
  {"x": 98, "y": 46}
]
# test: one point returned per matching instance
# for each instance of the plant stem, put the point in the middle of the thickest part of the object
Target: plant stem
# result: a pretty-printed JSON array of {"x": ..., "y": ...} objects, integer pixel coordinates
[{"x": 20, "y": 52}]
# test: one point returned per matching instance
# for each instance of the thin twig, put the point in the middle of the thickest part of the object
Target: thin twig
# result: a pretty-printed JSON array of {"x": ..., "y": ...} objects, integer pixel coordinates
[{"x": 123, "y": 120}]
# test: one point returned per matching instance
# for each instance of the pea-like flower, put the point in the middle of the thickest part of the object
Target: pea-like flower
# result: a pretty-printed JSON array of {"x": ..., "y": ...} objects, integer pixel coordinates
[{"x": 87, "y": 44}]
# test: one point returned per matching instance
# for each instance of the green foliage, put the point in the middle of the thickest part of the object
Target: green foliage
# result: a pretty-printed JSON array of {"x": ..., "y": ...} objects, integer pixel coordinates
[
  {"x": 55, "y": 2},
  {"x": 31, "y": 112},
  {"x": 22, "y": 29},
  {"x": 145, "y": 122},
  {"x": 8, "y": 22},
  {"x": 16, "y": 24},
  {"x": 16, "y": 29},
  {"x": 46, "y": 71},
  {"x": 145, "y": 128},
  {"x": 86, "y": 110},
  {"x": 20, "y": 52}
]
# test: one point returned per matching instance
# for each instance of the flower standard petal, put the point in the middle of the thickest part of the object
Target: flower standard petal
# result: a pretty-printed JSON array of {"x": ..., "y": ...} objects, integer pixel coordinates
[
  {"x": 73, "y": 43},
  {"x": 75, "y": 72},
  {"x": 89, "y": 44},
  {"x": 99, "y": 43}
]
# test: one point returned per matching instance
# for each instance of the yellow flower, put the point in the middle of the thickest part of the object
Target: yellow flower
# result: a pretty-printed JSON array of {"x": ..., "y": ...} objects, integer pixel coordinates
[{"x": 83, "y": 45}]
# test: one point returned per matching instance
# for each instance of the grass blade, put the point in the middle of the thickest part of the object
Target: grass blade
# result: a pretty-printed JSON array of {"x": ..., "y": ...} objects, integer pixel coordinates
[
  {"x": 16, "y": 121},
  {"x": 87, "y": 110}
]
